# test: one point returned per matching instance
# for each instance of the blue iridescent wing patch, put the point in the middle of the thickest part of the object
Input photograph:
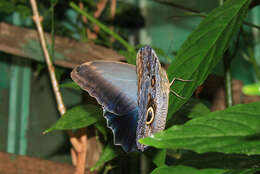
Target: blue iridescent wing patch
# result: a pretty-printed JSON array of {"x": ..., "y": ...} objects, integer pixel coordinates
[{"x": 124, "y": 129}]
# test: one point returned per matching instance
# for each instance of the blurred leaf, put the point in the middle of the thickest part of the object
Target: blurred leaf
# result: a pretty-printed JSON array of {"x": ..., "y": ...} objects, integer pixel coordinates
[
  {"x": 233, "y": 130},
  {"x": 253, "y": 89},
  {"x": 59, "y": 71},
  {"x": 198, "y": 110},
  {"x": 77, "y": 117},
  {"x": 108, "y": 154},
  {"x": 185, "y": 170},
  {"x": 164, "y": 58},
  {"x": 159, "y": 158},
  {"x": 71, "y": 85},
  {"x": 102, "y": 128},
  {"x": 213, "y": 160},
  {"x": 244, "y": 171},
  {"x": 193, "y": 108},
  {"x": 204, "y": 48},
  {"x": 129, "y": 55}
]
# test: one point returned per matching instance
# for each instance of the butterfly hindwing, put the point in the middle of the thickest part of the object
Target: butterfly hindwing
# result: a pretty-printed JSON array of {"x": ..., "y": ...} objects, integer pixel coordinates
[{"x": 124, "y": 129}]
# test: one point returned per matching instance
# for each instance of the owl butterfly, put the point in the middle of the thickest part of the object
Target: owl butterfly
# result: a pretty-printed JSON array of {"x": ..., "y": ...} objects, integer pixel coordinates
[{"x": 134, "y": 98}]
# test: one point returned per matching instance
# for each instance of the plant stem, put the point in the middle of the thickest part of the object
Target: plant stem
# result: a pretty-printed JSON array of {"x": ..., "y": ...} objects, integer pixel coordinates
[
  {"x": 143, "y": 164},
  {"x": 78, "y": 145},
  {"x": 52, "y": 30},
  {"x": 251, "y": 25},
  {"x": 228, "y": 80},
  {"x": 103, "y": 27},
  {"x": 253, "y": 61},
  {"x": 169, "y": 3},
  {"x": 55, "y": 85}
]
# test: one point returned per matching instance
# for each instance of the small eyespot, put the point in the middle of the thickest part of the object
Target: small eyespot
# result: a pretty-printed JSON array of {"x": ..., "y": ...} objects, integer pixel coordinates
[
  {"x": 153, "y": 81},
  {"x": 149, "y": 116}
]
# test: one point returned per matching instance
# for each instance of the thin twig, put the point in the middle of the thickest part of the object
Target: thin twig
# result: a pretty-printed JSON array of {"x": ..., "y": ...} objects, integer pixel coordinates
[
  {"x": 129, "y": 47},
  {"x": 176, "y": 6},
  {"x": 61, "y": 107},
  {"x": 36, "y": 18},
  {"x": 112, "y": 16},
  {"x": 90, "y": 35},
  {"x": 100, "y": 8}
]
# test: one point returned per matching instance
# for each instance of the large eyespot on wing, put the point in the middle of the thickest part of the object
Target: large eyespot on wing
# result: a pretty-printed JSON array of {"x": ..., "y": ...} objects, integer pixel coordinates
[{"x": 113, "y": 84}]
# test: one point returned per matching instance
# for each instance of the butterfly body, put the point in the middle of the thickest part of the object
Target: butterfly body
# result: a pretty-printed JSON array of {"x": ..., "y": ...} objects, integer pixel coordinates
[{"x": 134, "y": 98}]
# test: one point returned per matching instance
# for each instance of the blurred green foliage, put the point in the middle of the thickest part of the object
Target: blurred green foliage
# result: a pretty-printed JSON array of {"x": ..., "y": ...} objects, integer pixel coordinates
[{"x": 233, "y": 130}]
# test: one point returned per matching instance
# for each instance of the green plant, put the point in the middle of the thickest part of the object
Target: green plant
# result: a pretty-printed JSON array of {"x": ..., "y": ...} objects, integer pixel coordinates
[{"x": 231, "y": 135}]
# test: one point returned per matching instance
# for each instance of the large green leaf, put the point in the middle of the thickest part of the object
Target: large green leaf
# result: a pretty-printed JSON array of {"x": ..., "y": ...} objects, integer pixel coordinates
[
  {"x": 77, "y": 117},
  {"x": 244, "y": 171},
  {"x": 185, "y": 170},
  {"x": 234, "y": 130},
  {"x": 213, "y": 160},
  {"x": 204, "y": 48}
]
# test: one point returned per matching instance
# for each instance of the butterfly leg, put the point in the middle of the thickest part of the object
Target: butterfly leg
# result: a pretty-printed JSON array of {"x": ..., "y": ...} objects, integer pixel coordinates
[{"x": 178, "y": 79}]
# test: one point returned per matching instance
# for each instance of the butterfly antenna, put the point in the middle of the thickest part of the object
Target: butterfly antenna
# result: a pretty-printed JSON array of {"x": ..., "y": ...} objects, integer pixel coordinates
[
  {"x": 177, "y": 95},
  {"x": 178, "y": 79}
]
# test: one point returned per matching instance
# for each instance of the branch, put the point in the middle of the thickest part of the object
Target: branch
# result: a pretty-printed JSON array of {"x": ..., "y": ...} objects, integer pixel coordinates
[
  {"x": 55, "y": 85},
  {"x": 80, "y": 144}
]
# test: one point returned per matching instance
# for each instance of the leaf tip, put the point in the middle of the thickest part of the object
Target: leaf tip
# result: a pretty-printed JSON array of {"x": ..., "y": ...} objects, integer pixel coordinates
[{"x": 47, "y": 131}]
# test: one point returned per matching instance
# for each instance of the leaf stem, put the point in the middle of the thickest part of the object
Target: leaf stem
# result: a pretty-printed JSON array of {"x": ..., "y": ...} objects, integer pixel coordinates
[
  {"x": 143, "y": 164},
  {"x": 228, "y": 79},
  {"x": 52, "y": 30},
  {"x": 253, "y": 61},
  {"x": 251, "y": 25}
]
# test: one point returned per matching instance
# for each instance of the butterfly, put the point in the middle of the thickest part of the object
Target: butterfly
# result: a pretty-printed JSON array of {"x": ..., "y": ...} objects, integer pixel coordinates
[{"x": 134, "y": 98}]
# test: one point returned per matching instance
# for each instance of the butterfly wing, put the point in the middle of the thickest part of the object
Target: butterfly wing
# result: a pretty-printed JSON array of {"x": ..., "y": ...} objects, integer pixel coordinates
[
  {"x": 114, "y": 85},
  {"x": 153, "y": 94},
  {"x": 124, "y": 129}
]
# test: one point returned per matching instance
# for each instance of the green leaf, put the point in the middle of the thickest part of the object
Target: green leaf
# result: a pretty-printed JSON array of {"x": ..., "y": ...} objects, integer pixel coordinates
[
  {"x": 204, "y": 48},
  {"x": 198, "y": 110},
  {"x": 213, "y": 159},
  {"x": 243, "y": 171},
  {"x": 185, "y": 170},
  {"x": 71, "y": 85},
  {"x": 108, "y": 154},
  {"x": 159, "y": 158},
  {"x": 77, "y": 117},
  {"x": 253, "y": 89},
  {"x": 102, "y": 128},
  {"x": 233, "y": 130}
]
